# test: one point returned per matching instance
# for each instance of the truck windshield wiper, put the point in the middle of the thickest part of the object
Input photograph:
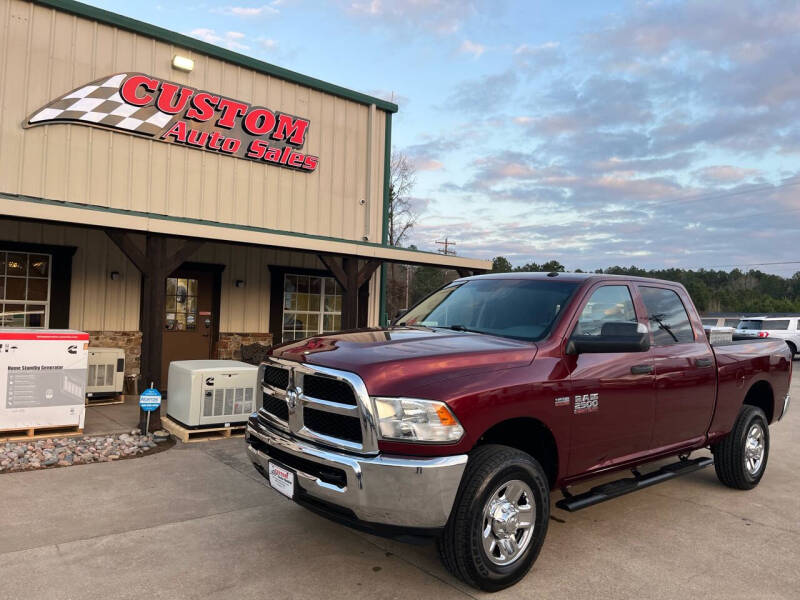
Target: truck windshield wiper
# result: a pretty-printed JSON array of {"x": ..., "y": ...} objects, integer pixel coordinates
[{"x": 458, "y": 327}]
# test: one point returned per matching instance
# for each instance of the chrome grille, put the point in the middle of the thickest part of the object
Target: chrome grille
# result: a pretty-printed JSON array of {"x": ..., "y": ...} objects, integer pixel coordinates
[
  {"x": 276, "y": 377},
  {"x": 326, "y": 406},
  {"x": 326, "y": 388},
  {"x": 331, "y": 424}
]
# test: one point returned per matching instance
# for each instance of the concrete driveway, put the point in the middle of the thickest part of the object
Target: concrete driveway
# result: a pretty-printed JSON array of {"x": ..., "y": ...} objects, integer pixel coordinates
[{"x": 198, "y": 522}]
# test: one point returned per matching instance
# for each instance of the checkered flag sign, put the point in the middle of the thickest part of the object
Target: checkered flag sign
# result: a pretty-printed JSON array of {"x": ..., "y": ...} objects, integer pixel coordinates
[{"x": 99, "y": 103}]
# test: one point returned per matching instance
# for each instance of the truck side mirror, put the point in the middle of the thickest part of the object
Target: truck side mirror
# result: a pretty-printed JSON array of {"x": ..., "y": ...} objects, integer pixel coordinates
[{"x": 614, "y": 337}]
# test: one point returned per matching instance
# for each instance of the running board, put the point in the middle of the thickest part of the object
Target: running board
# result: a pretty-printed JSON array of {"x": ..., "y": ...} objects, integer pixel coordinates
[{"x": 614, "y": 489}]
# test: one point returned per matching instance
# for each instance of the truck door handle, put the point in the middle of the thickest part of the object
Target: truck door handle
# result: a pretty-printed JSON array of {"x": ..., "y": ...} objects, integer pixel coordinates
[
  {"x": 702, "y": 362},
  {"x": 642, "y": 369}
]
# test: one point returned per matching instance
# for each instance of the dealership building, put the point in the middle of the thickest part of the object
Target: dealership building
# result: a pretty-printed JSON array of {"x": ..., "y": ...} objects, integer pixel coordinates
[{"x": 179, "y": 200}]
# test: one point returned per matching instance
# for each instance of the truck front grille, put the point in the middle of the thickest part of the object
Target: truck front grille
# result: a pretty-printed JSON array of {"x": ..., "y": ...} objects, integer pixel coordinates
[
  {"x": 276, "y": 407},
  {"x": 276, "y": 377},
  {"x": 325, "y": 388},
  {"x": 322, "y": 405},
  {"x": 333, "y": 425}
]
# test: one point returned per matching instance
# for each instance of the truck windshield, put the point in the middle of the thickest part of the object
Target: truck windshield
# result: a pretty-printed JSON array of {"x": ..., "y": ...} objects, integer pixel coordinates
[
  {"x": 516, "y": 308},
  {"x": 751, "y": 324}
]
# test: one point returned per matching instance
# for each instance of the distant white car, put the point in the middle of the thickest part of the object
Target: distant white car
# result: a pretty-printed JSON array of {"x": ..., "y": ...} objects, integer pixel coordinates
[
  {"x": 785, "y": 328},
  {"x": 720, "y": 321}
]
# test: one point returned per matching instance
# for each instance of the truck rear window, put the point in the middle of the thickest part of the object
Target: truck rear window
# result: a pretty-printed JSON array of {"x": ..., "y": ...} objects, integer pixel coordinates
[{"x": 515, "y": 308}]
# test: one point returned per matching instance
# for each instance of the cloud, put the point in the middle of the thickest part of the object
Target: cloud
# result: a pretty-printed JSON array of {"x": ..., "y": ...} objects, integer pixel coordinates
[
  {"x": 429, "y": 154},
  {"x": 443, "y": 17},
  {"x": 475, "y": 49},
  {"x": 229, "y": 39},
  {"x": 649, "y": 138},
  {"x": 268, "y": 44},
  {"x": 487, "y": 93},
  {"x": 538, "y": 58},
  {"x": 248, "y": 12},
  {"x": 724, "y": 174}
]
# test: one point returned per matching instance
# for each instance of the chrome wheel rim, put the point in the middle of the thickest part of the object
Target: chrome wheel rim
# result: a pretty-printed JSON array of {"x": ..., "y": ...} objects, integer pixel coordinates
[
  {"x": 507, "y": 524},
  {"x": 754, "y": 449}
]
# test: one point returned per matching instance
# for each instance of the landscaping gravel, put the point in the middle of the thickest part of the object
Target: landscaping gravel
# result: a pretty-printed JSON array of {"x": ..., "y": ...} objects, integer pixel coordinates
[{"x": 65, "y": 451}]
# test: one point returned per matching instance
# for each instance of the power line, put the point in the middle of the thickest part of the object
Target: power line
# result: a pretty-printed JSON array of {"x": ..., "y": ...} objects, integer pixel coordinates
[
  {"x": 715, "y": 196},
  {"x": 749, "y": 215},
  {"x": 763, "y": 264}
]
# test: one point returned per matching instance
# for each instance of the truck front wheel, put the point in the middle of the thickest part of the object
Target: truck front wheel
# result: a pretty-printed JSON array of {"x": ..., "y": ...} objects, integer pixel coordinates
[
  {"x": 741, "y": 457},
  {"x": 499, "y": 518}
]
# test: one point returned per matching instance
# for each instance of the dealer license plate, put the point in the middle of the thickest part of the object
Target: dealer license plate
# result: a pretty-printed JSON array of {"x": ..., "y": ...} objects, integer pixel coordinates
[{"x": 281, "y": 479}]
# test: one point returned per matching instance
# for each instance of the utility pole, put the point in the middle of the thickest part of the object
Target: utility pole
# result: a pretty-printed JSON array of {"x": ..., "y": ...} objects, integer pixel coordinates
[{"x": 446, "y": 249}]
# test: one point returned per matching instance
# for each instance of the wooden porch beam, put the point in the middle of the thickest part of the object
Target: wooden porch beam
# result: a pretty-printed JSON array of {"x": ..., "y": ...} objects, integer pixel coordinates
[
  {"x": 367, "y": 270},
  {"x": 124, "y": 242},
  {"x": 189, "y": 247},
  {"x": 335, "y": 268}
]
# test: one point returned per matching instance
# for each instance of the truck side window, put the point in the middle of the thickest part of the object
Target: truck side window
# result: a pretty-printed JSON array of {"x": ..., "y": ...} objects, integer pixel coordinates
[
  {"x": 668, "y": 318},
  {"x": 608, "y": 305}
]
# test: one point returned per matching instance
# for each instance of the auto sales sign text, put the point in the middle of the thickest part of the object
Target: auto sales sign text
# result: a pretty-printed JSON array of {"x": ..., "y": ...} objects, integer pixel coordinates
[{"x": 175, "y": 113}]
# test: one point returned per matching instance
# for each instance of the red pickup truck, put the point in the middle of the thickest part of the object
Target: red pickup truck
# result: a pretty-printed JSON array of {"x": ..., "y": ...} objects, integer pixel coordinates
[{"x": 459, "y": 420}]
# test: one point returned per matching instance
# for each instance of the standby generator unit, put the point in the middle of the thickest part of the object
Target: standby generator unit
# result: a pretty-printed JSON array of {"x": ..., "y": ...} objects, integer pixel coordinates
[
  {"x": 42, "y": 378},
  {"x": 106, "y": 373},
  {"x": 211, "y": 392}
]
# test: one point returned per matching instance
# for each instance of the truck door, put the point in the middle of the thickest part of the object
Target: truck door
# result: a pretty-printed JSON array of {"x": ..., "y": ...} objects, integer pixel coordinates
[
  {"x": 612, "y": 394},
  {"x": 686, "y": 375}
]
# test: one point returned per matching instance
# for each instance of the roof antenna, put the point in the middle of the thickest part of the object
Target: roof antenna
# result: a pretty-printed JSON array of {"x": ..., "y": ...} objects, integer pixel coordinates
[{"x": 552, "y": 274}]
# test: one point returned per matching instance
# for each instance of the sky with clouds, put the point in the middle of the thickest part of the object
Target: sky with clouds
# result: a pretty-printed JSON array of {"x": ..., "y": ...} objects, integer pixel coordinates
[{"x": 597, "y": 132}]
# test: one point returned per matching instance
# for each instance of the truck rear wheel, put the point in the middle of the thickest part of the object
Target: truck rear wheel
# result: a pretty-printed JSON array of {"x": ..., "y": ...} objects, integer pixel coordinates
[
  {"x": 740, "y": 459},
  {"x": 499, "y": 519}
]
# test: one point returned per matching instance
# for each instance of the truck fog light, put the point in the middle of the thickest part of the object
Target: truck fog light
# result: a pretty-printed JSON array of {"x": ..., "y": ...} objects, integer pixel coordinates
[{"x": 416, "y": 420}]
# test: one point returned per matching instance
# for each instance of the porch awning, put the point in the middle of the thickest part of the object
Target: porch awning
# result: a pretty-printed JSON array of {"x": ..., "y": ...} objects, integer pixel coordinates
[{"x": 105, "y": 217}]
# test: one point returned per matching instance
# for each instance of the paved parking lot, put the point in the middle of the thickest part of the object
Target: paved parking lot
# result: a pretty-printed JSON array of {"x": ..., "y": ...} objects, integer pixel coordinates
[{"x": 198, "y": 522}]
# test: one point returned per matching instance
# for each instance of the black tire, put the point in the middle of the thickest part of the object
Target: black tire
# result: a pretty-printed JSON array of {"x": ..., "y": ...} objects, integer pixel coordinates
[
  {"x": 730, "y": 453},
  {"x": 461, "y": 545},
  {"x": 792, "y": 348}
]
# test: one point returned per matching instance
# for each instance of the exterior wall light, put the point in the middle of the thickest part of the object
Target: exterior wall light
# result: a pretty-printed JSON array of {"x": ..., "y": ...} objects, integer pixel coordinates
[
  {"x": 239, "y": 283},
  {"x": 182, "y": 63},
  {"x": 114, "y": 275}
]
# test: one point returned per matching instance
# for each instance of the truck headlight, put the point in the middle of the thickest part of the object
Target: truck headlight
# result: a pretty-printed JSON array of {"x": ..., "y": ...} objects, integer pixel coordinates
[{"x": 413, "y": 420}]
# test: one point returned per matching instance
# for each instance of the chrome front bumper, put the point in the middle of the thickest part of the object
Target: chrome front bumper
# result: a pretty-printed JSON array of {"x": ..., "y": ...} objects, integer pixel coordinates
[
  {"x": 785, "y": 406},
  {"x": 402, "y": 491}
]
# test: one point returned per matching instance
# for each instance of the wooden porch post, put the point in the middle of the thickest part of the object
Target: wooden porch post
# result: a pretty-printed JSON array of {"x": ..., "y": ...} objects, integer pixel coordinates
[
  {"x": 351, "y": 279},
  {"x": 155, "y": 265}
]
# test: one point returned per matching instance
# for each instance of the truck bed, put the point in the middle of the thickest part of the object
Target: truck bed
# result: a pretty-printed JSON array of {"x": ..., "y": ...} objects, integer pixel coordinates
[{"x": 742, "y": 364}]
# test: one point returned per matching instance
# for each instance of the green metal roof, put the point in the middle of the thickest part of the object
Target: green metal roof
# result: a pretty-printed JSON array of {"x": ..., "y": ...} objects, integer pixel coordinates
[{"x": 178, "y": 39}]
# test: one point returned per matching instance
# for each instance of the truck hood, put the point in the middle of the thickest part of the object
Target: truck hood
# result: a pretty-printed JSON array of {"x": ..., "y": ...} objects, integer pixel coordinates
[{"x": 398, "y": 361}]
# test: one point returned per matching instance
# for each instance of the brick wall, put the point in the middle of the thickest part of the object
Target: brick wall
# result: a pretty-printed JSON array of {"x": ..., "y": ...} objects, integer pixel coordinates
[
  {"x": 130, "y": 341},
  {"x": 230, "y": 344}
]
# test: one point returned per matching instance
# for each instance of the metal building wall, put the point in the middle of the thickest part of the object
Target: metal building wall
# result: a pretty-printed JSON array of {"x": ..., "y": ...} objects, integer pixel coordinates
[{"x": 45, "y": 53}]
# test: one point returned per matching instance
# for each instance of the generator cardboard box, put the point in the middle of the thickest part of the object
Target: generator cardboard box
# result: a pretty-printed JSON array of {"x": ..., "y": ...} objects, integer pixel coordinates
[{"x": 42, "y": 378}]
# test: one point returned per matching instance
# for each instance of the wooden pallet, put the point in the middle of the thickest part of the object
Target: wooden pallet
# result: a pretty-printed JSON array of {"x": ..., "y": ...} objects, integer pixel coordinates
[
  {"x": 106, "y": 401},
  {"x": 35, "y": 433},
  {"x": 202, "y": 435}
]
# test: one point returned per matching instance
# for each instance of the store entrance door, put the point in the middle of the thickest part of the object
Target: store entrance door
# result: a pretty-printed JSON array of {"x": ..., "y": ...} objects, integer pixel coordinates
[{"x": 189, "y": 319}]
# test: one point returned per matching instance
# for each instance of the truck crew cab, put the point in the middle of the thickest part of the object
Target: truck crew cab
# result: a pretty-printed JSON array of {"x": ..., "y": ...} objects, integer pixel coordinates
[{"x": 459, "y": 420}]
